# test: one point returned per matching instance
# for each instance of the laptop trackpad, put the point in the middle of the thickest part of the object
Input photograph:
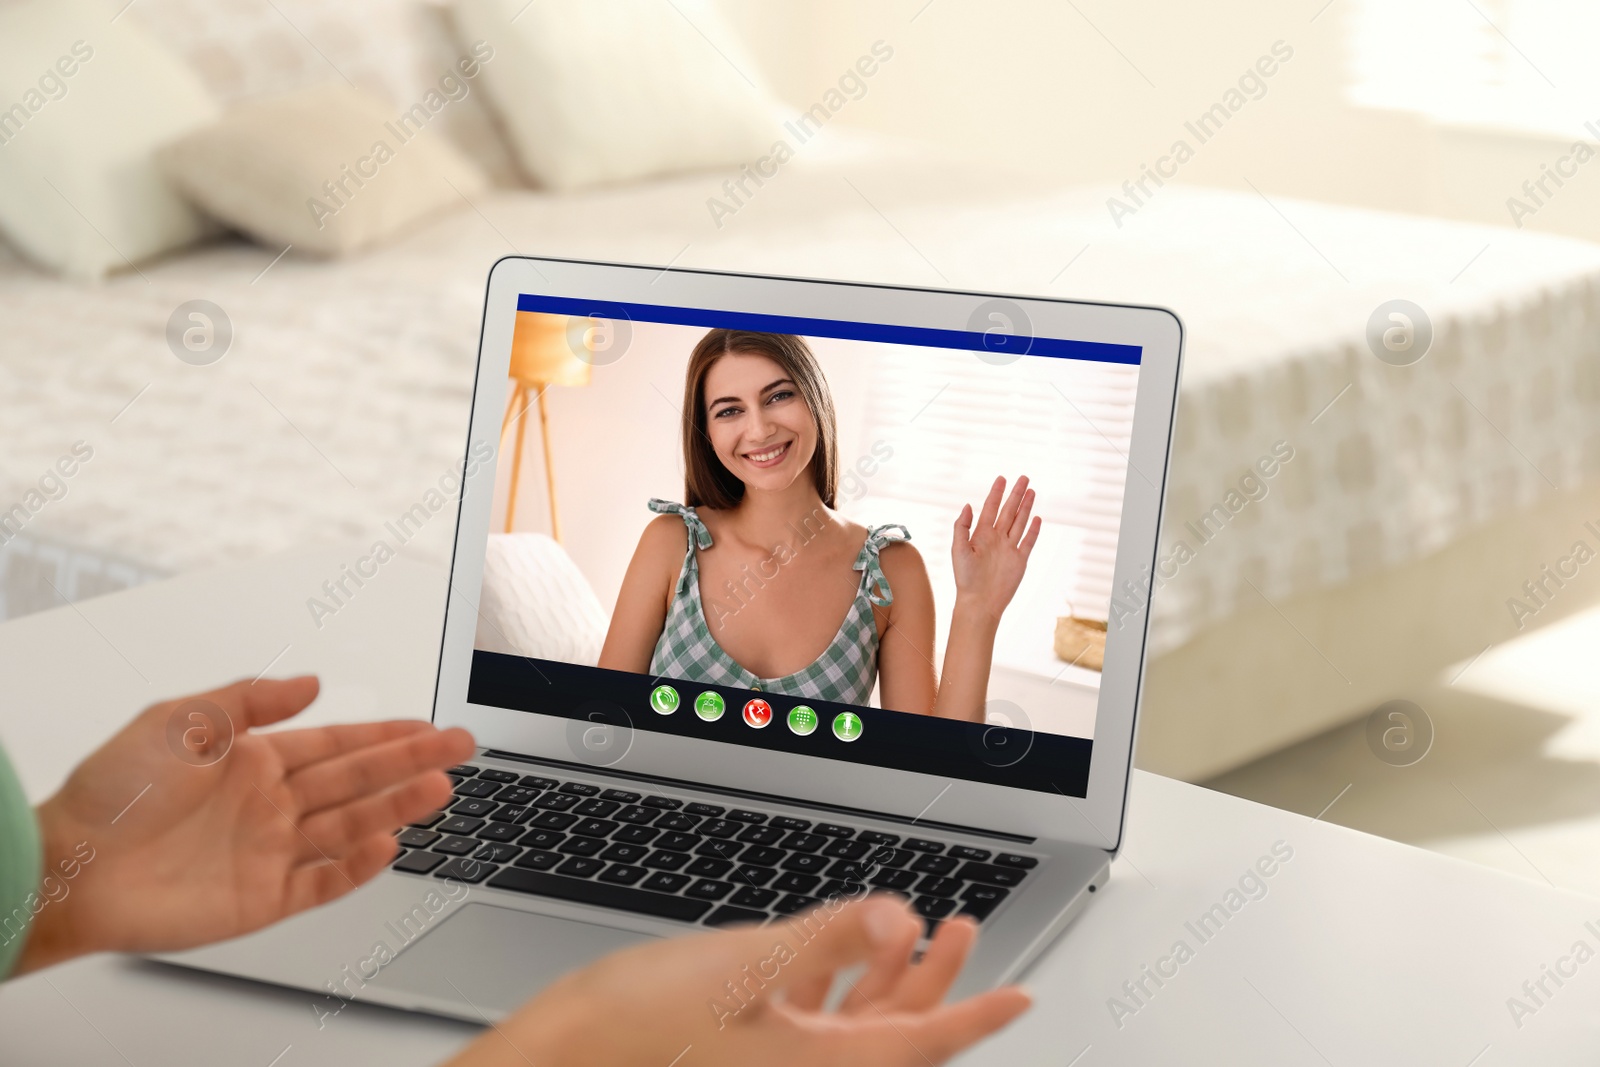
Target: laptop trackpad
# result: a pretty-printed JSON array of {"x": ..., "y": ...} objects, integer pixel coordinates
[{"x": 496, "y": 958}]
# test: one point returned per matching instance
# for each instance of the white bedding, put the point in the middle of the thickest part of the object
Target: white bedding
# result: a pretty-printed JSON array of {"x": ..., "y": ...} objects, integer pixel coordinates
[{"x": 344, "y": 395}]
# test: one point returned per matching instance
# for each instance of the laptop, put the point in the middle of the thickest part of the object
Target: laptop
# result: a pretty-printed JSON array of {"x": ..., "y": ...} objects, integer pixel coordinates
[{"x": 651, "y": 764}]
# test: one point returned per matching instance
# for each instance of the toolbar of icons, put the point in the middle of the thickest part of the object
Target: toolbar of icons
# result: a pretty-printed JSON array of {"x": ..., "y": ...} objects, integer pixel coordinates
[
  {"x": 757, "y": 713},
  {"x": 709, "y": 706}
]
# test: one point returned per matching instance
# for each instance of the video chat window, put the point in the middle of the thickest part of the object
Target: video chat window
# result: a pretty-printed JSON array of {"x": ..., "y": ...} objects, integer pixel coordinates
[{"x": 781, "y": 530}]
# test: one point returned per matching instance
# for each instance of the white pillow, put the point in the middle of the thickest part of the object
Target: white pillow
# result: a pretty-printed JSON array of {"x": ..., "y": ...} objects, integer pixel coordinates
[
  {"x": 609, "y": 90},
  {"x": 84, "y": 102}
]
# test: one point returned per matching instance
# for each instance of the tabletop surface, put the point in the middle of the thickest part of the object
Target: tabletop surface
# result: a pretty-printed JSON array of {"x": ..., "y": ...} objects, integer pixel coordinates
[{"x": 1355, "y": 950}]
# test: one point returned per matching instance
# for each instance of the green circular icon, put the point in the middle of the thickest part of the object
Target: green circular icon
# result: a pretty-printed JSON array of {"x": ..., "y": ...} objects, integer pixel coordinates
[
  {"x": 802, "y": 720},
  {"x": 709, "y": 706},
  {"x": 663, "y": 700},
  {"x": 847, "y": 726}
]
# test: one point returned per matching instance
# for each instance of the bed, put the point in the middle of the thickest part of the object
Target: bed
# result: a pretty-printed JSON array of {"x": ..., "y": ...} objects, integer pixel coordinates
[{"x": 1417, "y": 500}]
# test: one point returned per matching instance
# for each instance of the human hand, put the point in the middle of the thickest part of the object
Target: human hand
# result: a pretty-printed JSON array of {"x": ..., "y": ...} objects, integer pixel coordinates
[
  {"x": 754, "y": 995},
  {"x": 990, "y": 559},
  {"x": 196, "y": 840}
]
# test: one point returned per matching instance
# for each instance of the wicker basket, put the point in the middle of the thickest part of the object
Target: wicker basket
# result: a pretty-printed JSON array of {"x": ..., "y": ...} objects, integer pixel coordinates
[{"x": 1081, "y": 642}]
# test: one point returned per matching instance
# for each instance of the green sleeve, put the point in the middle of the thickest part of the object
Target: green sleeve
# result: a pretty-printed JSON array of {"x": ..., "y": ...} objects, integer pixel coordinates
[{"x": 19, "y": 866}]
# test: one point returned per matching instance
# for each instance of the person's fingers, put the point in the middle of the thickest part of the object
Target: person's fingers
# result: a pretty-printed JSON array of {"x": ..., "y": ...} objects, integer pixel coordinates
[
  {"x": 1031, "y": 538},
  {"x": 1019, "y": 521},
  {"x": 939, "y": 1034},
  {"x": 1008, "y": 510},
  {"x": 963, "y": 529},
  {"x": 924, "y": 986},
  {"x": 297, "y": 748},
  {"x": 334, "y": 831},
  {"x": 367, "y": 771},
  {"x": 809, "y": 995},
  {"x": 887, "y": 973},
  {"x": 321, "y": 881},
  {"x": 991, "y": 505},
  {"x": 265, "y": 700}
]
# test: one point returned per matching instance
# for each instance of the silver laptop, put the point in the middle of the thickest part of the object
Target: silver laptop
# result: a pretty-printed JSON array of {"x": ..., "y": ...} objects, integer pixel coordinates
[{"x": 637, "y": 779}]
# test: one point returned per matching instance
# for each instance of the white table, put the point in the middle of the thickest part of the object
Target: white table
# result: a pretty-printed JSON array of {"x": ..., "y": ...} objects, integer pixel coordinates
[{"x": 1361, "y": 951}]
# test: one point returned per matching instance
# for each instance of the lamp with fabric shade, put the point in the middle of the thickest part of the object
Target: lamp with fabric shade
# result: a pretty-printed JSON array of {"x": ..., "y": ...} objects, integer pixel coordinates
[{"x": 546, "y": 350}]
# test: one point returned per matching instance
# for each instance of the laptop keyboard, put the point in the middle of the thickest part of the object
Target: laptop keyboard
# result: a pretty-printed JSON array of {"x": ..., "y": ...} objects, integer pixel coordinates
[{"x": 687, "y": 861}]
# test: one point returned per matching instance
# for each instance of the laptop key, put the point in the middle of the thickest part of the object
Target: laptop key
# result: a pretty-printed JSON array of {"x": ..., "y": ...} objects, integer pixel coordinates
[
  {"x": 832, "y": 829},
  {"x": 619, "y": 853},
  {"x": 979, "y": 901},
  {"x": 794, "y": 902},
  {"x": 890, "y": 857},
  {"x": 678, "y": 821},
  {"x": 473, "y": 806},
  {"x": 761, "y": 835},
  {"x": 595, "y": 828},
  {"x": 637, "y": 814},
  {"x": 741, "y": 815},
  {"x": 665, "y": 803},
  {"x": 877, "y": 837},
  {"x": 991, "y": 874},
  {"x": 456, "y": 846},
  {"x": 708, "y": 889},
  {"x": 804, "y": 863},
  {"x": 721, "y": 849},
  {"x": 557, "y": 801},
  {"x": 796, "y": 883},
  {"x": 552, "y": 820},
  {"x": 419, "y": 862},
  {"x": 581, "y": 846},
  {"x": 533, "y": 781},
  {"x": 622, "y": 874},
  {"x": 545, "y": 839},
  {"x": 494, "y": 774},
  {"x": 581, "y": 867},
  {"x": 429, "y": 819},
  {"x": 750, "y": 874},
  {"x": 465, "y": 869},
  {"x": 678, "y": 842},
  {"x": 412, "y": 837},
  {"x": 459, "y": 824},
  {"x": 601, "y": 894},
  {"x": 581, "y": 789},
  {"x": 835, "y": 887},
  {"x": 705, "y": 867},
  {"x": 847, "y": 850},
  {"x": 786, "y": 822},
  {"x": 704, "y": 810},
  {"x": 800, "y": 841},
  {"x": 621, "y": 796},
  {"x": 514, "y": 813},
  {"x": 516, "y": 795},
  {"x": 750, "y": 897},
  {"x": 1011, "y": 859},
  {"x": 963, "y": 852},
  {"x": 935, "y": 886},
  {"x": 889, "y": 878},
  {"x": 762, "y": 856},
  {"x": 665, "y": 882},
  {"x": 598, "y": 809},
  {"x": 661, "y": 860},
  {"x": 476, "y": 787},
  {"x": 636, "y": 835},
  {"x": 720, "y": 827},
  {"x": 933, "y": 909},
  {"x": 500, "y": 831},
  {"x": 463, "y": 770},
  {"x": 935, "y": 864},
  {"x": 922, "y": 844},
  {"x": 727, "y": 915},
  {"x": 538, "y": 861},
  {"x": 851, "y": 870},
  {"x": 497, "y": 853}
]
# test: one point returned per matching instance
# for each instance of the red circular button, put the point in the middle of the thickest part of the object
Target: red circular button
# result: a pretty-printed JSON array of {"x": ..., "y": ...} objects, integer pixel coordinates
[{"x": 757, "y": 713}]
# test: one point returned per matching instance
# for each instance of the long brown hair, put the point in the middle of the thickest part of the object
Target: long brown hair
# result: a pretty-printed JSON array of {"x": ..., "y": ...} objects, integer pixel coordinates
[{"x": 707, "y": 483}]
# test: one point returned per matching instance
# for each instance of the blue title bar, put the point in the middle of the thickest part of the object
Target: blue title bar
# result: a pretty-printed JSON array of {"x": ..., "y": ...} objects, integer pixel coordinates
[{"x": 919, "y": 336}]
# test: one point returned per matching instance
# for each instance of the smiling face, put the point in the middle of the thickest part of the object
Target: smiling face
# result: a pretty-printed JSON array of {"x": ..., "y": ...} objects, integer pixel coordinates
[{"x": 759, "y": 425}]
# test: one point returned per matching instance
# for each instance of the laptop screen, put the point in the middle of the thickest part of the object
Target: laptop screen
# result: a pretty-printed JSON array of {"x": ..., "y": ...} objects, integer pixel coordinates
[{"x": 872, "y": 544}]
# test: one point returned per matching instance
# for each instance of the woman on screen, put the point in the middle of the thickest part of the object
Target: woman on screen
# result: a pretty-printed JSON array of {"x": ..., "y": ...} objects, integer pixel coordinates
[{"x": 745, "y": 584}]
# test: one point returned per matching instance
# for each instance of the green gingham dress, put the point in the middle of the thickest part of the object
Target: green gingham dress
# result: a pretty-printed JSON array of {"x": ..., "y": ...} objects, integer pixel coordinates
[{"x": 845, "y": 672}]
